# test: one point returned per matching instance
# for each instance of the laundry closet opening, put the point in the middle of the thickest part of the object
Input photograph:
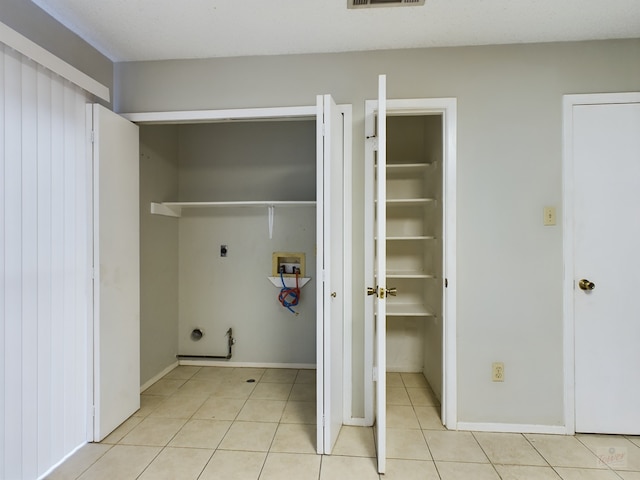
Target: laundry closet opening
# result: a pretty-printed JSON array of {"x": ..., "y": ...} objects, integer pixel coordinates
[{"x": 246, "y": 189}]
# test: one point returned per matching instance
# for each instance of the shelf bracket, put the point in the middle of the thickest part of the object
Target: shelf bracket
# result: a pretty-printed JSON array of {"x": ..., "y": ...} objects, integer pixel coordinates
[
  {"x": 160, "y": 209},
  {"x": 272, "y": 210}
]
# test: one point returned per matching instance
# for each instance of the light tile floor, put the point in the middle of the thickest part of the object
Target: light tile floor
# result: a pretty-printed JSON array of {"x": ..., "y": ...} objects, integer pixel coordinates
[{"x": 210, "y": 423}]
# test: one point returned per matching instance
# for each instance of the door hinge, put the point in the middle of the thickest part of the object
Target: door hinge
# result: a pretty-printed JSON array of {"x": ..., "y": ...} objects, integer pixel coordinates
[
  {"x": 446, "y": 282},
  {"x": 375, "y": 374},
  {"x": 93, "y": 136}
]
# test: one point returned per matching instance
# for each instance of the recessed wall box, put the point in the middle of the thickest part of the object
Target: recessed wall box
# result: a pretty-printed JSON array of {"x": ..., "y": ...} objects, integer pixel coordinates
[{"x": 288, "y": 264}]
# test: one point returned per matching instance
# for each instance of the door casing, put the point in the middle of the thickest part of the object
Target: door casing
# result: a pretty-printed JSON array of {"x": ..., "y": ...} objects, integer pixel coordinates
[{"x": 447, "y": 107}]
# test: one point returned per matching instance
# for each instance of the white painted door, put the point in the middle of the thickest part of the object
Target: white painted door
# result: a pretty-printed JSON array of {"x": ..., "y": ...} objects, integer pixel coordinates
[
  {"x": 380, "y": 349},
  {"x": 330, "y": 271},
  {"x": 606, "y": 172},
  {"x": 116, "y": 269}
]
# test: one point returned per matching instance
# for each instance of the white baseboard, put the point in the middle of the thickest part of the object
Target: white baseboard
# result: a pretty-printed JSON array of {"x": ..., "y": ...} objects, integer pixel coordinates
[
  {"x": 157, "y": 377},
  {"x": 512, "y": 428},
  {"x": 200, "y": 362},
  {"x": 64, "y": 459}
]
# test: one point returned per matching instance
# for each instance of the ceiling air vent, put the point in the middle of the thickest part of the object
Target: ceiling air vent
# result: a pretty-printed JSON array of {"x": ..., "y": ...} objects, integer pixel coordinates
[{"x": 383, "y": 3}]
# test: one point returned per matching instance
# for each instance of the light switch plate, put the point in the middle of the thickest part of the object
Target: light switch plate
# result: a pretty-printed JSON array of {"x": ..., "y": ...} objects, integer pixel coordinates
[{"x": 549, "y": 216}]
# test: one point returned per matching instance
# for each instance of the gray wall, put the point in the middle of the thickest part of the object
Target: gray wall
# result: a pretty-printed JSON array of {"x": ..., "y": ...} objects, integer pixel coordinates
[
  {"x": 34, "y": 23},
  {"x": 158, "y": 251},
  {"x": 509, "y": 278},
  {"x": 235, "y": 162}
]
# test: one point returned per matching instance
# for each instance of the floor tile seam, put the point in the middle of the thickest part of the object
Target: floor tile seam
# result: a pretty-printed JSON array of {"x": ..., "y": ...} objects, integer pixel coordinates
[
  {"x": 462, "y": 461},
  {"x": 206, "y": 464},
  {"x": 94, "y": 462},
  {"x": 162, "y": 450},
  {"x": 538, "y": 451},
  {"x": 598, "y": 458},
  {"x": 179, "y": 418},
  {"x": 484, "y": 451},
  {"x": 148, "y": 445},
  {"x": 150, "y": 462},
  {"x": 555, "y": 469}
]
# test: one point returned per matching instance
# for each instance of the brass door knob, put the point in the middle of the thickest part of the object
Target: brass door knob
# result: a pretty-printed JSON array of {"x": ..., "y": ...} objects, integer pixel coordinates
[
  {"x": 393, "y": 291},
  {"x": 585, "y": 284},
  {"x": 372, "y": 291},
  {"x": 333, "y": 294}
]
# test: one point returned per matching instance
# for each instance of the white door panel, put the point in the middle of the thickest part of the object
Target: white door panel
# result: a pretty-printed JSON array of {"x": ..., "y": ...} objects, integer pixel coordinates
[
  {"x": 116, "y": 270},
  {"x": 606, "y": 159},
  {"x": 381, "y": 273},
  {"x": 330, "y": 226}
]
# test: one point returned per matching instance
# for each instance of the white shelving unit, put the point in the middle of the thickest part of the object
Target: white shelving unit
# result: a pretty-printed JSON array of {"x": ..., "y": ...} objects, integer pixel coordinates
[{"x": 412, "y": 243}]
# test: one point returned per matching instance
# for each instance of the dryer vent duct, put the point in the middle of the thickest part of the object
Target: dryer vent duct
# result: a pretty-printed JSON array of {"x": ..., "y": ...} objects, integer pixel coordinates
[{"x": 383, "y": 3}]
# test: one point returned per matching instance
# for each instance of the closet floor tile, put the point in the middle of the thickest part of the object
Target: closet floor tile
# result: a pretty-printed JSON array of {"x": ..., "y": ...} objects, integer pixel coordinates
[
  {"x": 451, "y": 446},
  {"x": 285, "y": 466},
  {"x": 509, "y": 449},
  {"x": 201, "y": 434},
  {"x": 335, "y": 467},
  {"x": 410, "y": 470},
  {"x": 251, "y": 436},
  {"x": 153, "y": 432},
  {"x": 306, "y": 376},
  {"x": 294, "y": 438},
  {"x": 355, "y": 442},
  {"x": 262, "y": 410},
  {"x": 216, "y": 408},
  {"x": 234, "y": 465},
  {"x": 299, "y": 412},
  {"x": 177, "y": 464},
  {"x": 124, "y": 462}
]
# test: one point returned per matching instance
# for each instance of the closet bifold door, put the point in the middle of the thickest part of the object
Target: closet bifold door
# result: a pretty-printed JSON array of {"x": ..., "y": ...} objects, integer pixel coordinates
[
  {"x": 380, "y": 348},
  {"x": 116, "y": 283},
  {"x": 330, "y": 224}
]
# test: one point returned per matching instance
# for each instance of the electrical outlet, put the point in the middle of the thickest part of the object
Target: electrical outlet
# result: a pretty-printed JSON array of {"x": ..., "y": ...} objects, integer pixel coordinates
[{"x": 497, "y": 372}]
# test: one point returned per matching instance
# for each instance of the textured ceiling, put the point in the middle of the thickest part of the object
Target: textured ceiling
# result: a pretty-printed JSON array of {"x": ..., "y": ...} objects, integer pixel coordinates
[{"x": 127, "y": 30}]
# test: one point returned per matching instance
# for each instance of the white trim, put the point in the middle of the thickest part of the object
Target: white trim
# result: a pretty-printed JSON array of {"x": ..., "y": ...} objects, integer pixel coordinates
[
  {"x": 235, "y": 114},
  {"x": 157, "y": 377},
  {"x": 225, "y": 363},
  {"x": 35, "y": 52},
  {"x": 64, "y": 459},
  {"x": 512, "y": 428},
  {"x": 347, "y": 251},
  {"x": 448, "y": 108},
  {"x": 568, "y": 326}
]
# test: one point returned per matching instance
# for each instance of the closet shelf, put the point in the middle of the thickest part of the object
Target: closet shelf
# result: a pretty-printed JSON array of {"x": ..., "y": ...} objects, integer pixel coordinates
[
  {"x": 408, "y": 310},
  {"x": 408, "y": 237},
  {"x": 408, "y": 274},
  {"x": 174, "y": 209},
  {"x": 409, "y": 202}
]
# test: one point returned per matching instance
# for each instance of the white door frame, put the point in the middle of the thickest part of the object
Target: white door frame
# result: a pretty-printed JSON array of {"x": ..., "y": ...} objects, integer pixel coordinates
[
  {"x": 568, "y": 102},
  {"x": 447, "y": 107},
  {"x": 292, "y": 113}
]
